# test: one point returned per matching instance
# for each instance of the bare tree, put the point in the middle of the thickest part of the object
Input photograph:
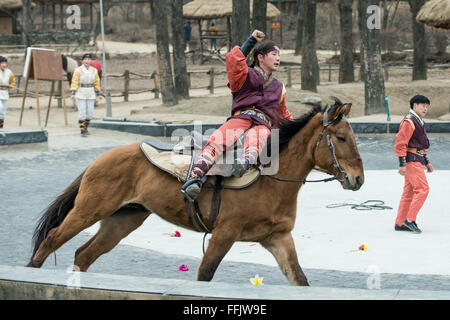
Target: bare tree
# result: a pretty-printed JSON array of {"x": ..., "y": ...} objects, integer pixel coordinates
[
  {"x": 300, "y": 20},
  {"x": 179, "y": 58},
  {"x": 259, "y": 16},
  {"x": 26, "y": 25},
  {"x": 419, "y": 42},
  {"x": 240, "y": 28},
  {"x": 309, "y": 76},
  {"x": 346, "y": 70},
  {"x": 162, "y": 48},
  {"x": 373, "y": 70}
]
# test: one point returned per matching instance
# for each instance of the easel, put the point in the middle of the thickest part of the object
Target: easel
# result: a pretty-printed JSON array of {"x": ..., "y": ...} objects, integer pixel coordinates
[{"x": 43, "y": 64}]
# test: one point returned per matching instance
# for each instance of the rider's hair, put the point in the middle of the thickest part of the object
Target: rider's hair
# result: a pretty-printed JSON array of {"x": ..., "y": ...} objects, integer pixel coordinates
[{"x": 263, "y": 47}]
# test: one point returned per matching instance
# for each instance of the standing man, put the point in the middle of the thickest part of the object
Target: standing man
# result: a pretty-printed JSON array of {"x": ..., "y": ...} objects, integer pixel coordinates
[
  {"x": 7, "y": 81},
  {"x": 411, "y": 144},
  {"x": 213, "y": 31},
  {"x": 187, "y": 34},
  {"x": 85, "y": 88}
]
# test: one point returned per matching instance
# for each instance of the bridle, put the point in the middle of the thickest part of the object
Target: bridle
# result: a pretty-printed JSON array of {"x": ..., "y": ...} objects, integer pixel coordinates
[{"x": 336, "y": 166}]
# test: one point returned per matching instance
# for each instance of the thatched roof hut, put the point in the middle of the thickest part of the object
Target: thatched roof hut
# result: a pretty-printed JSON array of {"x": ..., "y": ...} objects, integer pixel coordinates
[
  {"x": 207, "y": 9},
  {"x": 10, "y": 4},
  {"x": 435, "y": 13},
  {"x": 218, "y": 9}
]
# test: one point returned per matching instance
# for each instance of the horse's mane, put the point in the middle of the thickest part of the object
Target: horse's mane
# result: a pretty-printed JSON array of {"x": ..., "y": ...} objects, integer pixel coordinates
[{"x": 289, "y": 128}]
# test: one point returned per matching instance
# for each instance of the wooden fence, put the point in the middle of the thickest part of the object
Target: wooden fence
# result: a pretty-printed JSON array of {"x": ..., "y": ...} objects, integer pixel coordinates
[{"x": 286, "y": 74}]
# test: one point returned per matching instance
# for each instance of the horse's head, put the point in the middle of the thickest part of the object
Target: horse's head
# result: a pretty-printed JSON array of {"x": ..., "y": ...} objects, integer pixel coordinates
[{"x": 335, "y": 150}]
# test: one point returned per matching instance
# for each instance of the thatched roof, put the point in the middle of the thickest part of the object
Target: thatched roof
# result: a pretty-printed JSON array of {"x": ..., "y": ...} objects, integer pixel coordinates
[
  {"x": 435, "y": 13},
  {"x": 10, "y": 4},
  {"x": 213, "y": 9}
]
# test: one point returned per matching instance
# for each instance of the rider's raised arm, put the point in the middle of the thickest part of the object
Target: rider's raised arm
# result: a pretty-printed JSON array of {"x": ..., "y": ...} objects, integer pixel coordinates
[{"x": 236, "y": 63}]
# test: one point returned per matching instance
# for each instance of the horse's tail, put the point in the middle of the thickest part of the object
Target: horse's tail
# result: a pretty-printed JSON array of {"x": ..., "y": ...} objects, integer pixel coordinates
[{"x": 55, "y": 213}]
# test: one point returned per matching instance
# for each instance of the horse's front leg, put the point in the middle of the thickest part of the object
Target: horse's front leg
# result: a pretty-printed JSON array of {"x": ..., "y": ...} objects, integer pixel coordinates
[
  {"x": 221, "y": 241},
  {"x": 282, "y": 247}
]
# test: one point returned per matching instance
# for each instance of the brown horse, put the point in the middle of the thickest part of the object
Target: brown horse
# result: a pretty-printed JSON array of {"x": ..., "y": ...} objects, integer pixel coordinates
[{"x": 121, "y": 189}]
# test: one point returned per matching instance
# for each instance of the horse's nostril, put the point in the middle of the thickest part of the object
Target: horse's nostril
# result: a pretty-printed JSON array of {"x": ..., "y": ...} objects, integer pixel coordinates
[{"x": 359, "y": 181}]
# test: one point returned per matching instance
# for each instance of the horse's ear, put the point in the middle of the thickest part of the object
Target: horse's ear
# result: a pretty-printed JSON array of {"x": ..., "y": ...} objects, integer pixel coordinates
[{"x": 343, "y": 109}]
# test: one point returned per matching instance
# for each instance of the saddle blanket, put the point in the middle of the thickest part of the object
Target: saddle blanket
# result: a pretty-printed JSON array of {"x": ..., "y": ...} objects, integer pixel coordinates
[{"x": 177, "y": 164}]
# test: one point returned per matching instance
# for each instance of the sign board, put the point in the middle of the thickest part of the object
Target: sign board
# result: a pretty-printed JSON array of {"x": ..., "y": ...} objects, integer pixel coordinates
[
  {"x": 43, "y": 64},
  {"x": 275, "y": 25},
  {"x": 46, "y": 63}
]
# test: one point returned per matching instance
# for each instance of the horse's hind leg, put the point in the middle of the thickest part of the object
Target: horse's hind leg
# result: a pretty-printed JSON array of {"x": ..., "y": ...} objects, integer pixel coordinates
[
  {"x": 220, "y": 243},
  {"x": 112, "y": 230},
  {"x": 282, "y": 247},
  {"x": 79, "y": 218}
]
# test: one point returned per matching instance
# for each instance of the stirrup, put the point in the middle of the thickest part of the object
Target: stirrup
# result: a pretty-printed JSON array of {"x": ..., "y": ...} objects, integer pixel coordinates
[
  {"x": 191, "y": 189},
  {"x": 240, "y": 166}
]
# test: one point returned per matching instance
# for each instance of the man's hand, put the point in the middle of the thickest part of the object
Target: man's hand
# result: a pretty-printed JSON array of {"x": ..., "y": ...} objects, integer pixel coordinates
[
  {"x": 402, "y": 171},
  {"x": 72, "y": 97},
  {"x": 430, "y": 168},
  {"x": 258, "y": 35}
]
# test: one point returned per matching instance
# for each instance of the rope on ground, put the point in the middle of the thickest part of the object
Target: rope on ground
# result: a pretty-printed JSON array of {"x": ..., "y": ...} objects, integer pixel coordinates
[{"x": 366, "y": 205}]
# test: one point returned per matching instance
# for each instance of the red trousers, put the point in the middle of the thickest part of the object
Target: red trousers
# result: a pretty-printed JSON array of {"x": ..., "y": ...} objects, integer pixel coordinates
[
  {"x": 415, "y": 193},
  {"x": 230, "y": 131},
  {"x": 226, "y": 136}
]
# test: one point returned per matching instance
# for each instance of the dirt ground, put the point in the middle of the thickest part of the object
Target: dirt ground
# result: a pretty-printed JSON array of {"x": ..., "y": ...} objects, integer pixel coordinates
[{"x": 206, "y": 107}]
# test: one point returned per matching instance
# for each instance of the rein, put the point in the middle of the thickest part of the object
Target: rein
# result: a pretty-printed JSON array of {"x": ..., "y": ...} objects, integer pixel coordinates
[{"x": 338, "y": 169}]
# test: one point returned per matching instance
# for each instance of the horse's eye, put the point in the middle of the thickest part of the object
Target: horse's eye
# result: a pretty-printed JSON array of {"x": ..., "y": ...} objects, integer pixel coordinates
[{"x": 341, "y": 139}]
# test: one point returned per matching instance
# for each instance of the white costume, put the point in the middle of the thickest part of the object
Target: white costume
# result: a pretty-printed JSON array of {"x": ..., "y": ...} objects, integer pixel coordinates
[
  {"x": 7, "y": 81},
  {"x": 86, "y": 87}
]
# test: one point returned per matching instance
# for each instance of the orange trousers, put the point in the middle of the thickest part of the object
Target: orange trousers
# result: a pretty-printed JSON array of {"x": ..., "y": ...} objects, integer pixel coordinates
[
  {"x": 230, "y": 131},
  {"x": 415, "y": 193}
]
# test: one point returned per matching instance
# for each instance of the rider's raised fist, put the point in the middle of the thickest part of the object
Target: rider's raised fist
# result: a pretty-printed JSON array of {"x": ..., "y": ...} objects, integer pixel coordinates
[{"x": 258, "y": 35}]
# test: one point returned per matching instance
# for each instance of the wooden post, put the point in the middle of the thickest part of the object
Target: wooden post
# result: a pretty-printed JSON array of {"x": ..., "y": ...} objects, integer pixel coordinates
[
  {"x": 289, "y": 77},
  {"x": 126, "y": 86},
  {"x": 50, "y": 101},
  {"x": 189, "y": 79},
  {"x": 36, "y": 87},
  {"x": 329, "y": 72},
  {"x": 23, "y": 101},
  {"x": 18, "y": 84},
  {"x": 211, "y": 81},
  {"x": 59, "y": 95},
  {"x": 201, "y": 39},
  {"x": 155, "y": 77},
  {"x": 63, "y": 98}
]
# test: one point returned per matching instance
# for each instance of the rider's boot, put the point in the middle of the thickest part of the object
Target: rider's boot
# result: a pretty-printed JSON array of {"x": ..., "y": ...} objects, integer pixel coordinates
[
  {"x": 192, "y": 187},
  {"x": 241, "y": 165}
]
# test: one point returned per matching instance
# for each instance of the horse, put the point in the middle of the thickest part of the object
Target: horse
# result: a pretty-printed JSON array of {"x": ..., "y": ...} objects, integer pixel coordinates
[{"x": 121, "y": 188}]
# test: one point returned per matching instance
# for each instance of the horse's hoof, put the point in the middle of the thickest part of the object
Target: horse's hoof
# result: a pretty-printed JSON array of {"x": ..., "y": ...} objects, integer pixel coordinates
[{"x": 31, "y": 265}]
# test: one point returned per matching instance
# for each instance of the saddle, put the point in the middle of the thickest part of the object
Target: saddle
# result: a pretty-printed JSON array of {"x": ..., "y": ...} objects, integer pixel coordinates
[{"x": 177, "y": 159}]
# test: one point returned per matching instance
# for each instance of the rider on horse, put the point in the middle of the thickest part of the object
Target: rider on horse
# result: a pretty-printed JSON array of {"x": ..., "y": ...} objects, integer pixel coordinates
[{"x": 259, "y": 102}]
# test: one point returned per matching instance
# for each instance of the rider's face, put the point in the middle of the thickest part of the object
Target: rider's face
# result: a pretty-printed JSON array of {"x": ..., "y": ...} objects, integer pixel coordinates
[{"x": 270, "y": 61}]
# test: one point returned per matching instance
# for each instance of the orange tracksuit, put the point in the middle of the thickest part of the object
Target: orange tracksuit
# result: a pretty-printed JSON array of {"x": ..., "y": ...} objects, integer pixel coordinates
[{"x": 415, "y": 190}]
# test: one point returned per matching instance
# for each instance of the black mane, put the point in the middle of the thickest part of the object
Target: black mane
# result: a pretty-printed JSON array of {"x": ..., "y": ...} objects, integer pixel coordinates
[{"x": 288, "y": 128}]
